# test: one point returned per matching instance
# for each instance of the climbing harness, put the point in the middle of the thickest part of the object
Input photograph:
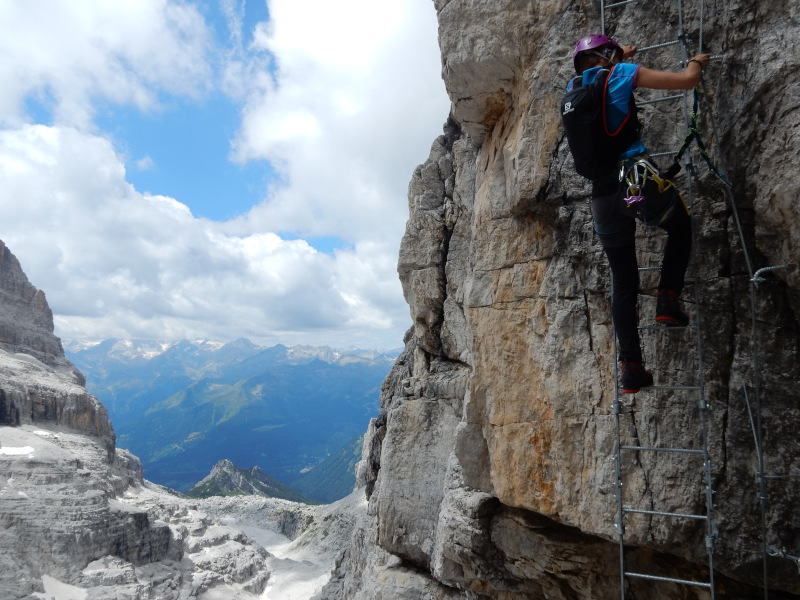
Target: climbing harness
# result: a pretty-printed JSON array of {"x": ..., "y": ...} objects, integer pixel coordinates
[{"x": 635, "y": 173}]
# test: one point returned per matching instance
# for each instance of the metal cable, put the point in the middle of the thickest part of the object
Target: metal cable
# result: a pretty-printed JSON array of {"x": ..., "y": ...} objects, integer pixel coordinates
[
  {"x": 700, "y": 41},
  {"x": 762, "y": 491},
  {"x": 755, "y": 279},
  {"x": 781, "y": 553}
]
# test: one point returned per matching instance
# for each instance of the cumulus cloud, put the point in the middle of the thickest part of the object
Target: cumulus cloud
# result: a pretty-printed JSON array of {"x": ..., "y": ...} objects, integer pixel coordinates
[
  {"x": 342, "y": 99},
  {"x": 70, "y": 55},
  {"x": 166, "y": 271},
  {"x": 352, "y": 107}
]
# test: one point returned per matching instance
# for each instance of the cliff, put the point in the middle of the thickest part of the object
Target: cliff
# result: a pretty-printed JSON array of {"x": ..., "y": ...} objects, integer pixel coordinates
[{"x": 490, "y": 470}]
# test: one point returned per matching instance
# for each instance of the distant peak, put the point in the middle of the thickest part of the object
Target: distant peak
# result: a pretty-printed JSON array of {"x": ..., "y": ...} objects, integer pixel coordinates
[{"x": 226, "y": 479}]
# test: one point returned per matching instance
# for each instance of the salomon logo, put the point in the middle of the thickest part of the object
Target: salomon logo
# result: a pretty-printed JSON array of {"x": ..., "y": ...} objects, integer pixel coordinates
[{"x": 567, "y": 108}]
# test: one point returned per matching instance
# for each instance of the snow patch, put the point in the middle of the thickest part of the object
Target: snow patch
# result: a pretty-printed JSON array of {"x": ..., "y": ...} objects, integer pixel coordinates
[
  {"x": 12, "y": 451},
  {"x": 58, "y": 590}
]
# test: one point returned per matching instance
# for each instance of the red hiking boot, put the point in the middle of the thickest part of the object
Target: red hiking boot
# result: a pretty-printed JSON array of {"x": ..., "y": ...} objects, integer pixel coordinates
[
  {"x": 668, "y": 309},
  {"x": 634, "y": 376}
]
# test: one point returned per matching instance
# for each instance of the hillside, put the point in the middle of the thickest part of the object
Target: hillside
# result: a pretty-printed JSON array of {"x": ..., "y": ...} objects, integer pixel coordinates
[
  {"x": 334, "y": 477},
  {"x": 183, "y": 407},
  {"x": 226, "y": 479}
]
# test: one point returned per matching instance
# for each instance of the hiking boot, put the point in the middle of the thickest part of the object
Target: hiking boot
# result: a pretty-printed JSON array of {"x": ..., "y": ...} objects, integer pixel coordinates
[
  {"x": 634, "y": 376},
  {"x": 668, "y": 309}
]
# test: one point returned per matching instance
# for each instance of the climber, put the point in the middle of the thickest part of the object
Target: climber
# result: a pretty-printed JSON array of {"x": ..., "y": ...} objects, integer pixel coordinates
[{"x": 657, "y": 202}]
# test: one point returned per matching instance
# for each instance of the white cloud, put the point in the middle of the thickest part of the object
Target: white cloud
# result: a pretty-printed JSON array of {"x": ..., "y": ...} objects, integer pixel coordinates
[
  {"x": 234, "y": 15},
  {"x": 354, "y": 106},
  {"x": 145, "y": 163},
  {"x": 351, "y": 109},
  {"x": 120, "y": 263},
  {"x": 71, "y": 54}
]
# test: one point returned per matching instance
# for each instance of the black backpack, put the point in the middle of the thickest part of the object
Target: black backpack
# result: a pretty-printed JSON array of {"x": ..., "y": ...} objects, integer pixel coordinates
[{"x": 594, "y": 148}]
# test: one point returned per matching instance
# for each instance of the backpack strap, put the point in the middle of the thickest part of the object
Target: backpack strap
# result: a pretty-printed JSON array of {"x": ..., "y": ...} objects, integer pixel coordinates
[{"x": 605, "y": 118}]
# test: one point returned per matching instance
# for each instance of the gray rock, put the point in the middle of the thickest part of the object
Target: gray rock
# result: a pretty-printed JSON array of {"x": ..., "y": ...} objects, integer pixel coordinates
[{"x": 26, "y": 321}]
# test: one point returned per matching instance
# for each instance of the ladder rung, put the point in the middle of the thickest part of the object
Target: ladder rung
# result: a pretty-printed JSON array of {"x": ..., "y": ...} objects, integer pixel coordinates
[
  {"x": 677, "y": 388},
  {"x": 660, "y": 449},
  {"x": 781, "y": 476},
  {"x": 639, "y": 511},
  {"x": 655, "y": 46},
  {"x": 619, "y": 3},
  {"x": 664, "y": 99},
  {"x": 657, "y": 154},
  {"x": 669, "y": 579}
]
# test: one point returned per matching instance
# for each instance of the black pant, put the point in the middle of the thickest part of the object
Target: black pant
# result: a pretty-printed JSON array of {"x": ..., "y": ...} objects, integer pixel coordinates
[{"x": 616, "y": 226}]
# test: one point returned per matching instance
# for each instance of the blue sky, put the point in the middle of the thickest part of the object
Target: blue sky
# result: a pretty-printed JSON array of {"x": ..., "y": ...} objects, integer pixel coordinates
[
  {"x": 169, "y": 153},
  {"x": 216, "y": 168},
  {"x": 183, "y": 150}
]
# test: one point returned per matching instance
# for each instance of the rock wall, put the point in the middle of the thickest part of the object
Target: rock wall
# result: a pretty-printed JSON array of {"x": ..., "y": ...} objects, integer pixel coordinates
[
  {"x": 38, "y": 385},
  {"x": 26, "y": 321},
  {"x": 490, "y": 472}
]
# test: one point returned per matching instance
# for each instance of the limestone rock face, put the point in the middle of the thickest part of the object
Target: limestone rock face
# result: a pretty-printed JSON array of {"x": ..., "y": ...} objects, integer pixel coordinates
[
  {"x": 490, "y": 469},
  {"x": 26, "y": 321},
  {"x": 33, "y": 393},
  {"x": 38, "y": 385},
  {"x": 57, "y": 501}
]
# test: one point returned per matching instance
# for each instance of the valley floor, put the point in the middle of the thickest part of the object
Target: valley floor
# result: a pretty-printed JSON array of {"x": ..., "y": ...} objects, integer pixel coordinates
[{"x": 300, "y": 567}]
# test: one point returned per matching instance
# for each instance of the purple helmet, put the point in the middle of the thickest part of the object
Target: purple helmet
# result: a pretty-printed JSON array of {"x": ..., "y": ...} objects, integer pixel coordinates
[{"x": 590, "y": 42}]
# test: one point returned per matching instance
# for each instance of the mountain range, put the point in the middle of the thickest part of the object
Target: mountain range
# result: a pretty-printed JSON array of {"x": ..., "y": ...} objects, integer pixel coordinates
[{"x": 295, "y": 413}]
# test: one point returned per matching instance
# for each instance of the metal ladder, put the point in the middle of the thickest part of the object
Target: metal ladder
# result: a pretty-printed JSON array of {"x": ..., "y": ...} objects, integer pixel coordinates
[{"x": 696, "y": 388}]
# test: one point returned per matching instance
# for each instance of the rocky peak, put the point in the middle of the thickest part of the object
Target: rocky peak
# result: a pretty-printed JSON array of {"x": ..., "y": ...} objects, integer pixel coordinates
[
  {"x": 76, "y": 517},
  {"x": 226, "y": 479},
  {"x": 26, "y": 321},
  {"x": 38, "y": 385}
]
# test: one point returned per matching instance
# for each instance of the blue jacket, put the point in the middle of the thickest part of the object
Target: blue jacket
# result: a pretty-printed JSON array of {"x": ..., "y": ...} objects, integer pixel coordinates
[{"x": 620, "y": 86}]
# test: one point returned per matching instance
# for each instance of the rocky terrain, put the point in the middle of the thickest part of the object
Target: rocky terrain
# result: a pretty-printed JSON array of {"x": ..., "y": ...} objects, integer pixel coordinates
[
  {"x": 77, "y": 520},
  {"x": 304, "y": 541},
  {"x": 74, "y": 512},
  {"x": 490, "y": 471}
]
